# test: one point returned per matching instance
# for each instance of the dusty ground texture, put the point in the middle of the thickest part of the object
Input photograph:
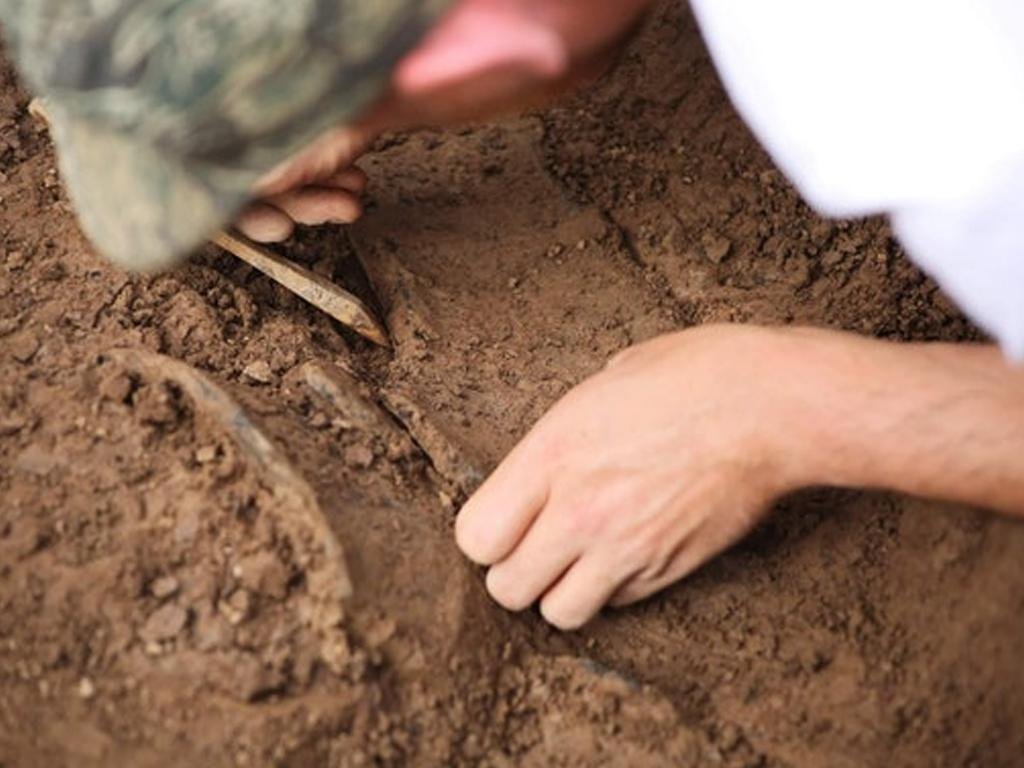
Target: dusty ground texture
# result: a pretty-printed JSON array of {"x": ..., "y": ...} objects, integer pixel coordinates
[{"x": 167, "y": 594}]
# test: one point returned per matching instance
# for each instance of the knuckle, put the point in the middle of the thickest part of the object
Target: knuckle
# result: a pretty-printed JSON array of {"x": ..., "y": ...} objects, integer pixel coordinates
[
  {"x": 590, "y": 507},
  {"x": 507, "y": 591},
  {"x": 549, "y": 447},
  {"x": 581, "y": 520},
  {"x": 473, "y": 545},
  {"x": 640, "y": 550},
  {"x": 560, "y": 617}
]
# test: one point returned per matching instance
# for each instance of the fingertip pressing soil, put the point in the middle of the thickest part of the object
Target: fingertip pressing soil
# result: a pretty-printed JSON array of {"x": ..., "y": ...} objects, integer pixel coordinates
[{"x": 159, "y": 606}]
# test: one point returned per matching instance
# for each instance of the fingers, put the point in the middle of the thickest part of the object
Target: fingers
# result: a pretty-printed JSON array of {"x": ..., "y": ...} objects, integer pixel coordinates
[
  {"x": 496, "y": 518},
  {"x": 265, "y": 224},
  {"x": 540, "y": 559},
  {"x": 318, "y": 205},
  {"x": 352, "y": 179},
  {"x": 321, "y": 160},
  {"x": 581, "y": 592},
  {"x": 273, "y": 219}
]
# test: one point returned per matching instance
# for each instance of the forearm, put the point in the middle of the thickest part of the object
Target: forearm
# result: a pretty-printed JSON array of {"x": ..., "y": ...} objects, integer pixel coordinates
[{"x": 937, "y": 420}]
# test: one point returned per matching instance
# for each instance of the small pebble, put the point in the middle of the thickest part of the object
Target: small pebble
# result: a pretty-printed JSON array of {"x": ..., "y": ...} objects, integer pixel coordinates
[
  {"x": 116, "y": 388},
  {"x": 11, "y": 425},
  {"x": 236, "y": 608},
  {"x": 716, "y": 248},
  {"x": 86, "y": 689},
  {"x": 258, "y": 372},
  {"x": 24, "y": 347},
  {"x": 153, "y": 648},
  {"x": 207, "y": 454},
  {"x": 165, "y": 623},
  {"x": 164, "y": 587},
  {"x": 358, "y": 456}
]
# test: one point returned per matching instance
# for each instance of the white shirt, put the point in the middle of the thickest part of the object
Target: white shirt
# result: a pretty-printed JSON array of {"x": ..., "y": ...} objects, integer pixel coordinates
[{"x": 914, "y": 108}]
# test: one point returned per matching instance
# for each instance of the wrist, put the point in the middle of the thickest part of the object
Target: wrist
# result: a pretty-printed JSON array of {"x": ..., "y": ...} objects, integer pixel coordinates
[
  {"x": 788, "y": 414},
  {"x": 930, "y": 419},
  {"x": 829, "y": 398}
]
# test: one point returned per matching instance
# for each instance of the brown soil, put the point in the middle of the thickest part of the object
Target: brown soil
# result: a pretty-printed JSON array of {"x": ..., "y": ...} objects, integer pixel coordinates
[{"x": 162, "y": 590}]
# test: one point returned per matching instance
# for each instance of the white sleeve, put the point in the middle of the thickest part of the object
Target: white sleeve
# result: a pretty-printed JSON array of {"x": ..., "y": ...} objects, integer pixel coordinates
[{"x": 913, "y": 108}]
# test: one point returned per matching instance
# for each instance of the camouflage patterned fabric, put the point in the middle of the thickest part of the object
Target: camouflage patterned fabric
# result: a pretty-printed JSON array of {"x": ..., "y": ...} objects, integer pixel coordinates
[{"x": 166, "y": 112}]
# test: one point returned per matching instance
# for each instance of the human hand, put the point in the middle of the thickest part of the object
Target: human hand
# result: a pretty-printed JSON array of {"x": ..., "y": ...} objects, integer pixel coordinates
[
  {"x": 643, "y": 473},
  {"x": 321, "y": 185}
]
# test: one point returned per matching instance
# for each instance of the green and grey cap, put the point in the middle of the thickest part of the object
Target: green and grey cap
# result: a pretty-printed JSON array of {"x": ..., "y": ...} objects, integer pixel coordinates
[{"x": 167, "y": 112}]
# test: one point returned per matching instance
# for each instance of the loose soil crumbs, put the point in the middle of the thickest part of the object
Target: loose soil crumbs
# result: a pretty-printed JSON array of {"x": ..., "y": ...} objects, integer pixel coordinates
[{"x": 158, "y": 609}]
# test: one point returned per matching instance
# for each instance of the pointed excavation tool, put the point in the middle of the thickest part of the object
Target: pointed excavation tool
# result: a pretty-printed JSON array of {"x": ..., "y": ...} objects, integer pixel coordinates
[{"x": 343, "y": 306}]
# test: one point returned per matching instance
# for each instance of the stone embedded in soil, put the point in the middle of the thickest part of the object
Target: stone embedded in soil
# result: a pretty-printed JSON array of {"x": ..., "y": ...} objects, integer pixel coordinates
[
  {"x": 258, "y": 372},
  {"x": 9, "y": 325},
  {"x": 248, "y": 679},
  {"x": 153, "y": 405},
  {"x": 24, "y": 347},
  {"x": 206, "y": 454},
  {"x": 381, "y": 632},
  {"x": 358, "y": 456},
  {"x": 11, "y": 425},
  {"x": 336, "y": 652},
  {"x": 116, "y": 388},
  {"x": 236, "y": 608},
  {"x": 164, "y": 587},
  {"x": 153, "y": 648},
  {"x": 86, "y": 689},
  {"x": 716, "y": 247},
  {"x": 211, "y": 631},
  {"x": 36, "y": 460},
  {"x": 165, "y": 623},
  {"x": 189, "y": 521},
  {"x": 26, "y": 537}
]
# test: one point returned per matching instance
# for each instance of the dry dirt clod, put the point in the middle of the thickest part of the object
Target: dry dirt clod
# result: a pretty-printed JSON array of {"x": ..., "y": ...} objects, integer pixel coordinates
[
  {"x": 264, "y": 574},
  {"x": 212, "y": 630},
  {"x": 24, "y": 347},
  {"x": 237, "y": 607},
  {"x": 258, "y": 372},
  {"x": 153, "y": 648},
  {"x": 9, "y": 325},
  {"x": 359, "y": 456},
  {"x": 336, "y": 652},
  {"x": 36, "y": 460},
  {"x": 715, "y": 247},
  {"x": 11, "y": 425},
  {"x": 116, "y": 388},
  {"x": 164, "y": 623},
  {"x": 164, "y": 587}
]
